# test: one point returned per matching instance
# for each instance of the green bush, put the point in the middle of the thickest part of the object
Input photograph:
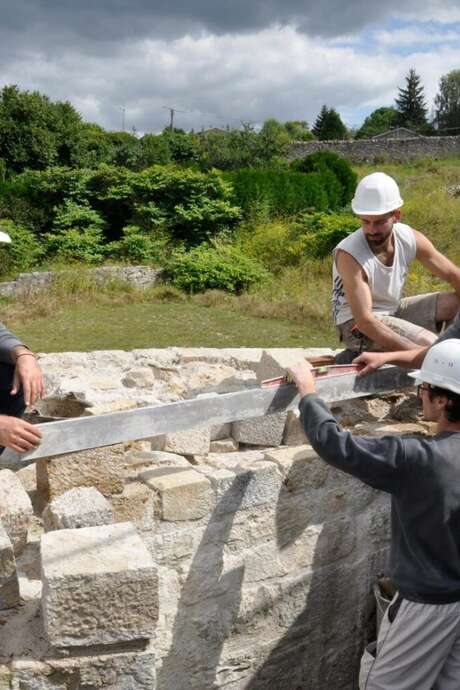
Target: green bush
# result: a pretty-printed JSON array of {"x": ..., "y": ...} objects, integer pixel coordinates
[
  {"x": 222, "y": 267},
  {"x": 139, "y": 246},
  {"x": 328, "y": 160},
  {"x": 24, "y": 252},
  {"x": 323, "y": 231},
  {"x": 72, "y": 244},
  {"x": 284, "y": 191}
]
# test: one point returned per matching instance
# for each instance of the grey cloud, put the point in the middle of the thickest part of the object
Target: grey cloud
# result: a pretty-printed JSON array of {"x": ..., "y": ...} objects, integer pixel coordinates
[{"x": 106, "y": 21}]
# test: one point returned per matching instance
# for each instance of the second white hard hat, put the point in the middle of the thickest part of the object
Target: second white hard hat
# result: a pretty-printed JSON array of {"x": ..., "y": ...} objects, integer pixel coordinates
[
  {"x": 376, "y": 194},
  {"x": 441, "y": 366}
]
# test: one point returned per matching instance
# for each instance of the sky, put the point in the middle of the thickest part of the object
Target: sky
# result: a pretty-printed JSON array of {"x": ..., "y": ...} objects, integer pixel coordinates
[{"x": 125, "y": 63}]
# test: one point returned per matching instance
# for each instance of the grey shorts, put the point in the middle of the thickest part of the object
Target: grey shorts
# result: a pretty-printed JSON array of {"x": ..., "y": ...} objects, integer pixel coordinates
[
  {"x": 418, "y": 648},
  {"x": 414, "y": 317}
]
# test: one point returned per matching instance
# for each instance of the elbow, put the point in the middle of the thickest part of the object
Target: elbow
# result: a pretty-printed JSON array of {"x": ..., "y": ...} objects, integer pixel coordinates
[{"x": 365, "y": 323}]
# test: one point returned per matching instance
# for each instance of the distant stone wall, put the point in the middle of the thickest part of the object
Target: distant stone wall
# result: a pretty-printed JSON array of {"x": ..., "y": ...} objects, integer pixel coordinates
[
  {"x": 247, "y": 561},
  {"x": 139, "y": 276},
  {"x": 382, "y": 150}
]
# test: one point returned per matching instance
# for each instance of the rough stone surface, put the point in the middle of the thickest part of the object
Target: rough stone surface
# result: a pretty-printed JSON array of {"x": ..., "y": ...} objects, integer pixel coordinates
[
  {"x": 260, "y": 431},
  {"x": 369, "y": 150},
  {"x": 15, "y": 509},
  {"x": 81, "y": 507},
  {"x": 100, "y": 586},
  {"x": 182, "y": 494},
  {"x": 301, "y": 467},
  {"x": 9, "y": 584},
  {"x": 101, "y": 468},
  {"x": 294, "y": 434},
  {"x": 134, "y": 504},
  {"x": 193, "y": 442},
  {"x": 225, "y": 445},
  {"x": 220, "y": 431}
]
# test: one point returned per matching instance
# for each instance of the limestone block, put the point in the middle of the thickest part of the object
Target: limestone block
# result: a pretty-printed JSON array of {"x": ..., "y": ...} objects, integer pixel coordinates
[
  {"x": 262, "y": 562},
  {"x": 9, "y": 585},
  {"x": 182, "y": 494},
  {"x": 217, "y": 378},
  {"x": 101, "y": 468},
  {"x": 140, "y": 377},
  {"x": 256, "y": 482},
  {"x": 351, "y": 412},
  {"x": 15, "y": 509},
  {"x": 260, "y": 431},
  {"x": 275, "y": 361},
  {"x": 300, "y": 465},
  {"x": 134, "y": 504},
  {"x": 192, "y": 442},
  {"x": 139, "y": 461},
  {"x": 221, "y": 480},
  {"x": 100, "y": 586},
  {"x": 28, "y": 477},
  {"x": 220, "y": 431},
  {"x": 130, "y": 668},
  {"x": 81, "y": 507},
  {"x": 225, "y": 445},
  {"x": 320, "y": 544},
  {"x": 294, "y": 435}
]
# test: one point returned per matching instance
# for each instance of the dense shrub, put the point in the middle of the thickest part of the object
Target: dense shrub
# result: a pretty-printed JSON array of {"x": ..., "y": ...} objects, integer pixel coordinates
[
  {"x": 284, "y": 191},
  {"x": 222, "y": 267},
  {"x": 321, "y": 160},
  {"x": 139, "y": 246},
  {"x": 323, "y": 231},
  {"x": 24, "y": 252},
  {"x": 190, "y": 205}
]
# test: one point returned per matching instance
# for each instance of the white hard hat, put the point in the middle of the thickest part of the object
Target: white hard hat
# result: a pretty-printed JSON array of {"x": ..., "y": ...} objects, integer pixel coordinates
[
  {"x": 376, "y": 194},
  {"x": 4, "y": 237},
  {"x": 441, "y": 366}
]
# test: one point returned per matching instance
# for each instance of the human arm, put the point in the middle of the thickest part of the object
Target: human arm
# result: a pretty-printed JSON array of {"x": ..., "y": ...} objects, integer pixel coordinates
[
  {"x": 27, "y": 375},
  {"x": 376, "y": 461},
  {"x": 359, "y": 298},
  {"x": 409, "y": 359},
  {"x": 435, "y": 262},
  {"x": 18, "y": 434}
]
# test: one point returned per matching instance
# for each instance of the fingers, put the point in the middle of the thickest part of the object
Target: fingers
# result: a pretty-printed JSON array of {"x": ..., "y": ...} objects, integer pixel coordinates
[
  {"x": 28, "y": 375},
  {"x": 18, "y": 435}
]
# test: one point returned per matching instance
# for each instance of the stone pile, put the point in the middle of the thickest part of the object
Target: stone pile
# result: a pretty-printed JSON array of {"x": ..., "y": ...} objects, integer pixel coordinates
[{"x": 227, "y": 556}]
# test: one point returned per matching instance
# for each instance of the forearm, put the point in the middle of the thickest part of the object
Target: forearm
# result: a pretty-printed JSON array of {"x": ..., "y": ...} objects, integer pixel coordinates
[{"x": 383, "y": 335}]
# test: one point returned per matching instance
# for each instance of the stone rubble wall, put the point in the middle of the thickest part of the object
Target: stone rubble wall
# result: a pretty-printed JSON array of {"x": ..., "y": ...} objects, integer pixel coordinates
[
  {"x": 26, "y": 283},
  {"x": 224, "y": 557},
  {"x": 382, "y": 150}
]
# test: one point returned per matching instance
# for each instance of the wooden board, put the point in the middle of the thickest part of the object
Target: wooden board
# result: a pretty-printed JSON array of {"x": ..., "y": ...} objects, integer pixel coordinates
[{"x": 82, "y": 433}]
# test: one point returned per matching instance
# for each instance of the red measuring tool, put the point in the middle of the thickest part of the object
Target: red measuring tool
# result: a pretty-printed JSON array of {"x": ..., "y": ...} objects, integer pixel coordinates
[{"x": 326, "y": 371}]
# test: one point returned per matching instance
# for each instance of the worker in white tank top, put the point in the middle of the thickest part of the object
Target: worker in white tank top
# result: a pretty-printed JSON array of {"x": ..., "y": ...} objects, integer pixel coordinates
[{"x": 369, "y": 270}]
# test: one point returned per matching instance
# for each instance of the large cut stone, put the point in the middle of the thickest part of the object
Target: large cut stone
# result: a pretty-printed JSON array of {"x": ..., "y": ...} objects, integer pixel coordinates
[
  {"x": 81, "y": 507},
  {"x": 101, "y": 468},
  {"x": 300, "y": 466},
  {"x": 15, "y": 509},
  {"x": 100, "y": 586},
  {"x": 260, "y": 431},
  {"x": 9, "y": 585},
  {"x": 193, "y": 442},
  {"x": 182, "y": 494}
]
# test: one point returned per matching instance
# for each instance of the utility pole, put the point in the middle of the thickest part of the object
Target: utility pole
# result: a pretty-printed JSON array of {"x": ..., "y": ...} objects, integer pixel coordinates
[
  {"x": 123, "y": 112},
  {"x": 172, "y": 112}
]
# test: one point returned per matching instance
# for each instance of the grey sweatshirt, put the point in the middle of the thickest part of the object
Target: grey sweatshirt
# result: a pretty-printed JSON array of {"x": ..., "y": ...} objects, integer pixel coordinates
[
  {"x": 7, "y": 342},
  {"x": 423, "y": 477}
]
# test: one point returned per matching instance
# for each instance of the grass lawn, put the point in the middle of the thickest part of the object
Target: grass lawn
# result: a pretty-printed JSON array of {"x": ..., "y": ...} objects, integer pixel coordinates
[{"x": 89, "y": 326}]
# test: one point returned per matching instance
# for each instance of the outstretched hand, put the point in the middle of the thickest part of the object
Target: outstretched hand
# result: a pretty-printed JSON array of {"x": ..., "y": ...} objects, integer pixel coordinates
[
  {"x": 370, "y": 361},
  {"x": 18, "y": 434},
  {"x": 302, "y": 375}
]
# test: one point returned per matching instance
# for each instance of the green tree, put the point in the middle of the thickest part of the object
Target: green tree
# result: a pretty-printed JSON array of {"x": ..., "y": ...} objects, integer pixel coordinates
[
  {"x": 329, "y": 125},
  {"x": 381, "y": 120},
  {"x": 410, "y": 103},
  {"x": 35, "y": 132},
  {"x": 298, "y": 130},
  {"x": 447, "y": 104},
  {"x": 272, "y": 140}
]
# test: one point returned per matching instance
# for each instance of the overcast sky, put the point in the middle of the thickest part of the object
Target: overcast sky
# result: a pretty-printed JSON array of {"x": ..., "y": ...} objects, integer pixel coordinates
[{"x": 225, "y": 61}]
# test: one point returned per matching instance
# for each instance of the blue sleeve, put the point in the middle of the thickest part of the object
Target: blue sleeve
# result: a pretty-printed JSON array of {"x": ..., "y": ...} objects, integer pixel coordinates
[{"x": 378, "y": 462}]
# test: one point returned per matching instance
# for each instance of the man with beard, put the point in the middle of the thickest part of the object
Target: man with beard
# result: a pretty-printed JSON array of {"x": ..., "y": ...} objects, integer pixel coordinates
[{"x": 369, "y": 270}]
